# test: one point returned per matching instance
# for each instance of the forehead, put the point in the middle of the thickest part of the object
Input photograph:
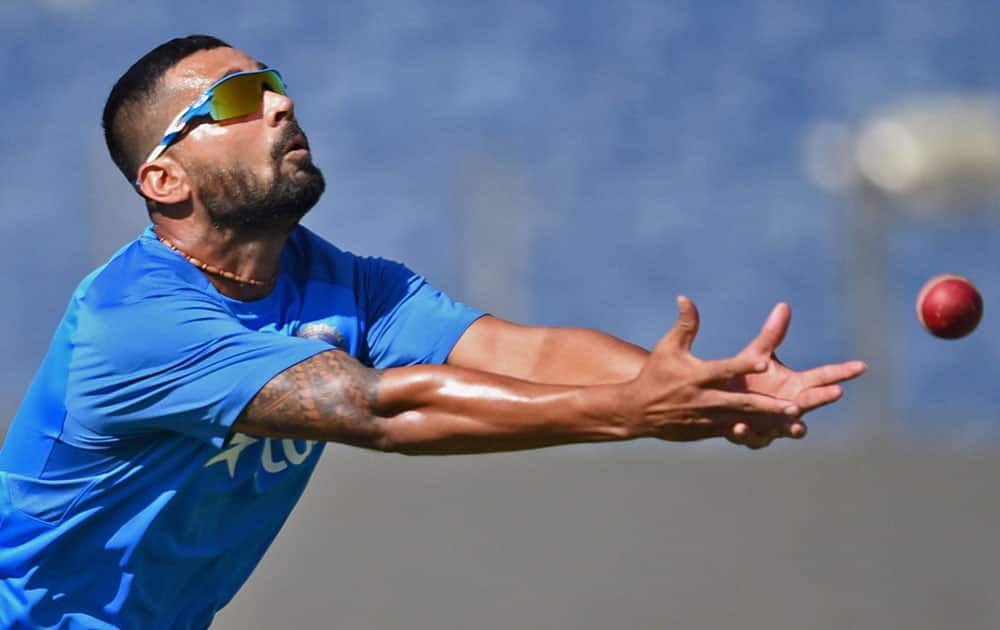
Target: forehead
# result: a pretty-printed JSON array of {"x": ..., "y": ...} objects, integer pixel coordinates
[{"x": 193, "y": 74}]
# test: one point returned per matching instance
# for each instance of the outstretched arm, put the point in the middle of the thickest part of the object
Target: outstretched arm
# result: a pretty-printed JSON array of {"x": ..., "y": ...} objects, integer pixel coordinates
[
  {"x": 580, "y": 356},
  {"x": 427, "y": 409},
  {"x": 448, "y": 409}
]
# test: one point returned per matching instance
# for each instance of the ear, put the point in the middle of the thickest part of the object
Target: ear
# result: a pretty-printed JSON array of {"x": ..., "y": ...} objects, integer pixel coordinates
[{"x": 163, "y": 181}]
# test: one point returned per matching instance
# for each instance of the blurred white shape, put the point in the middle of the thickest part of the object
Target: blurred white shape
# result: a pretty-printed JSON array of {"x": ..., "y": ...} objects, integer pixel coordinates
[
  {"x": 934, "y": 154},
  {"x": 890, "y": 157}
]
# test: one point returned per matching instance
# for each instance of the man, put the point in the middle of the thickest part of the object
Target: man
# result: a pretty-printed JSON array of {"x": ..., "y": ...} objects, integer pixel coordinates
[{"x": 190, "y": 386}]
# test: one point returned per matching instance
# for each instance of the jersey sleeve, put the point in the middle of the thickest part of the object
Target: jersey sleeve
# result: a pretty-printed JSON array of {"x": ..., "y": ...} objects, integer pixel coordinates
[
  {"x": 171, "y": 360},
  {"x": 408, "y": 321}
]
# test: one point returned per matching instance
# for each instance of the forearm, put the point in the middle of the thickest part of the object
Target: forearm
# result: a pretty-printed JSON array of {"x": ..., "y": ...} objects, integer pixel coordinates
[
  {"x": 429, "y": 409},
  {"x": 580, "y": 356},
  {"x": 443, "y": 410},
  {"x": 568, "y": 356}
]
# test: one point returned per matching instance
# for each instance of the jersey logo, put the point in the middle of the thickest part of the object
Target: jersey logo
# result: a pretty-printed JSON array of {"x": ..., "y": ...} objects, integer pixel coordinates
[
  {"x": 323, "y": 332},
  {"x": 275, "y": 455}
]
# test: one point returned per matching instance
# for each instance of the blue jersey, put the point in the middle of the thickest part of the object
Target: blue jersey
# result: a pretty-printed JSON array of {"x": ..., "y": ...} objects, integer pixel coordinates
[{"x": 125, "y": 502}]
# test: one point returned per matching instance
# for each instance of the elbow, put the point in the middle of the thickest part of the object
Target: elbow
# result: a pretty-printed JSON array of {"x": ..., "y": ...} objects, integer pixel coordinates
[
  {"x": 384, "y": 443},
  {"x": 385, "y": 438},
  {"x": 399, "y": 434}
]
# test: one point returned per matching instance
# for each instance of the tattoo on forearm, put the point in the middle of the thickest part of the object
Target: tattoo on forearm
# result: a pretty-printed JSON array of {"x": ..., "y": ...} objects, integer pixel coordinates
[{"x": 329, "y": 396}]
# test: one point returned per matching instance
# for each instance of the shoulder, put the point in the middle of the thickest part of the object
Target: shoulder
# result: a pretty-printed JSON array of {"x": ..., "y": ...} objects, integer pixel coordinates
[
  {"x": 317, "y": 259},
  {"x": 314, "y": 258},
  {"x": 141, "y": 271},
  {"x": 144, "y": 290}
]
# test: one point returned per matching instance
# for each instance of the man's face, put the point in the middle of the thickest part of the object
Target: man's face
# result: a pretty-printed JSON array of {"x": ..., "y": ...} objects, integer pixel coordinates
[{"x": 251, "y": 173}]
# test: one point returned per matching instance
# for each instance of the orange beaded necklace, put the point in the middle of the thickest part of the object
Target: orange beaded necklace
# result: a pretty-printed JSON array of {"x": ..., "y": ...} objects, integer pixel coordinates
[{"x": 215, "y": 271}]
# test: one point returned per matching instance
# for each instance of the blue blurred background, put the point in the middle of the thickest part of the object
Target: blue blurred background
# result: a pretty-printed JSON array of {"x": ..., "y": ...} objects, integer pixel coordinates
[
  {"x": 564, "y": 162},
  {"x": 556, "y": 162}
]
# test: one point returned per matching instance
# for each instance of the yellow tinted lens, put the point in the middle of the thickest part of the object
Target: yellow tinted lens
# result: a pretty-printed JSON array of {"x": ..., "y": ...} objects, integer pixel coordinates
[
  {"x": 241, "y": 95},
  {"x": 272, "y": 80}
]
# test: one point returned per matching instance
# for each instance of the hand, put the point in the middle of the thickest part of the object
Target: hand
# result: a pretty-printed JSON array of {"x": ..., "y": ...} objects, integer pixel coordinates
[
  {"x": 750, "y": 398},
  {"x": 809, "y": 389}
]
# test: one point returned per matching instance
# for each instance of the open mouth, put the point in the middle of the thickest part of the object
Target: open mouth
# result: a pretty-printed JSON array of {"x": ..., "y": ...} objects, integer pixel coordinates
[{"x": 298, "y": 143}]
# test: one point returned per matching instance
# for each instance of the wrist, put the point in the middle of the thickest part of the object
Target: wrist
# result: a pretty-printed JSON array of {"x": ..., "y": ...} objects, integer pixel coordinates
[{"x": 611, "y": 408}]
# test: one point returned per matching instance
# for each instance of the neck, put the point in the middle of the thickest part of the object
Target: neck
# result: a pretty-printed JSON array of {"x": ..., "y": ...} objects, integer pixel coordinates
[{"x": 240, "y": 268}]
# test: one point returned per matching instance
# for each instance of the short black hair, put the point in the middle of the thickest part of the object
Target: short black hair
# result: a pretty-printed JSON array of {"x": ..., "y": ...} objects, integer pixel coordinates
[{"x": 122, "y": 113}]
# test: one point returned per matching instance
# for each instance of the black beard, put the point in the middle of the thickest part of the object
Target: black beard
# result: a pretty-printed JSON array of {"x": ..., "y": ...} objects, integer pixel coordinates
[{"x": 236, "y": 199}]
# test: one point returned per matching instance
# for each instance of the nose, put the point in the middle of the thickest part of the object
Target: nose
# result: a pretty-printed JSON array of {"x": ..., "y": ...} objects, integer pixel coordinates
[{"x": 277, "y": 107}]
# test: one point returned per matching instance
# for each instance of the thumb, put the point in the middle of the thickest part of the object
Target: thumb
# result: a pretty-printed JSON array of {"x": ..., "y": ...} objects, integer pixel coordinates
[{"x": 685, "y": 329}]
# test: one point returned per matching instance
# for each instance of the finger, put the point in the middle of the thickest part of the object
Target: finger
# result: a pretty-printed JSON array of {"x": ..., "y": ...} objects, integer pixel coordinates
[
  {"x": 747, "y": 403},
  {"x": 721, "y": 370},
  {"x": 816, "y": 397},
  {"x": 686, "y": 328},
  {"x": 739, "y": 433},
  {"x": 772, "y": 333},
  {"x": 775, "y": 427},
  {"x": 797, "y": 430},
  {"x": 742, "y": 434},
  {"x": 830, "y": 374}
]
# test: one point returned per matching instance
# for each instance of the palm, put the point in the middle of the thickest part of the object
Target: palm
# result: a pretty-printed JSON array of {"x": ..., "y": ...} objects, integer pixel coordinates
[
  {"x": 778, "y": 381},
  {"x": 808, "y": 389}
]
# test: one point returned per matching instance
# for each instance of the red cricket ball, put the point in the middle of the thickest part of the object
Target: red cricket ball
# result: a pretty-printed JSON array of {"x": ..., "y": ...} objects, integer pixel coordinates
[{"x": 949, "y": 306}]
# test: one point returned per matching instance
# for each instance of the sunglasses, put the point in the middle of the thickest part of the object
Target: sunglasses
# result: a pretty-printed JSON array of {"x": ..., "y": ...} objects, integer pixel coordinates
[{"x": 232, "y": 96}]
